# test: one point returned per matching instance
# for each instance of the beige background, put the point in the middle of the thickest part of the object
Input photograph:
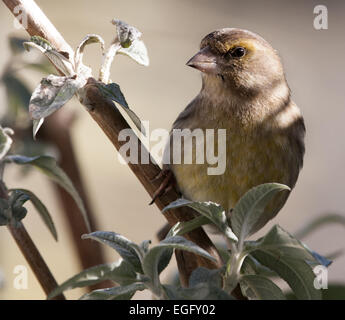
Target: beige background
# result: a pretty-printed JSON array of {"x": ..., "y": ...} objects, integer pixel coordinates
[{"x": 314, "y": 63}]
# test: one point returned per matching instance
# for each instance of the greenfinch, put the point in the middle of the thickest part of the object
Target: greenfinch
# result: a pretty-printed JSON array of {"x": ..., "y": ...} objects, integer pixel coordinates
[{"x": 245, "y": 92}]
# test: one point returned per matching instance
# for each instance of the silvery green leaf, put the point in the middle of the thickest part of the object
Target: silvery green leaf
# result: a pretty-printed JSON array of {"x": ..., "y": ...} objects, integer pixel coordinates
[
  {"x": 41, "y": 209},
  {"x": 256, "y": 287},
  {"x": 137, "y": 51},
  {"x": 212, "y": 211},
  {"x": 127, "y": 249},
  {"x": 88, "y": 39},
  {"x": 115, "y": 293},
  {"x": 204, "y": 275},
  {"x": 18, "y": 93},
  {"x": 121, "y": 272},
  {"x": 280, "y": 241},
  {"x": 16, "y": 201},
  {"x": 297, "y": 273},
  {"x": 5, "y": 141},
  {"x": 59, "y": 59},
  {"x": 49, "y": 167},
  {"x": 126, "y": 33},
  {"x": 181, "y": 228},
  {"x": 112, "y": 91},
  {"x": 286, "y": 256},
  {"x": 52, "y": 93},
  {"x": 153, "y": 257},
  {"x": 249, "y": 215}
]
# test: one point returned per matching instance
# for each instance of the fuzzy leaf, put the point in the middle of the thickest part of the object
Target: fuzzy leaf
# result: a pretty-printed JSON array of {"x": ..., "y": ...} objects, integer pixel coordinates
[
  {"x": 121, "y": 272},
  {"x": 257, "y": 287},
  {"x": 153, "y": 257},
  {"x": 127, "y": 249},
  {"x": 16, "y": 201},
  {"x": 49, "y": 167},
  {"x": 248, "y": 215},
  {"x": 181, "y": 228},
  {"x": 285, "y": 255},
  {"x": 115, "y": 293},
  {"x": 137, "y": 51},
  {"x": 212, "y": 211},
  {"x": 18, "y": 93},
  {"x": 113, "y": 92},
  {"x": 59, "y": 59},
  {"x": 51, "y": 94},
  {"x": 41, "y": 209}
]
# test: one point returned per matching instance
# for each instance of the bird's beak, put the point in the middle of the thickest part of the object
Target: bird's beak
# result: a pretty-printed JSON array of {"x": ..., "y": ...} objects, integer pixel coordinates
[{"x": 204, "y": 60}]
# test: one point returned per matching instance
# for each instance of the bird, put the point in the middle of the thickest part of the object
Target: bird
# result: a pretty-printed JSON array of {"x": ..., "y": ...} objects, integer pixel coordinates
[{"x": 244, "y": 91}]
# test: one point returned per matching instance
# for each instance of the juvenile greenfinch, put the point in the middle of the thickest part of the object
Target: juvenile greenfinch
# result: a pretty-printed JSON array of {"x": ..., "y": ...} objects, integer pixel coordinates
[{"x": 244, "y": 90}]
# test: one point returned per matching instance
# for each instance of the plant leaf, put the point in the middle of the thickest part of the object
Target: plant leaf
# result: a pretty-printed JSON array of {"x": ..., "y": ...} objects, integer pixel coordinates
[
  {"x": 127, "y": 249},
  {"x": 297, "y": 273},
  {"x": 41, "y": 209},
  {"x": 248, "y": 215},
  {"x": 115, "y": 293},
  {"x": 137, "y": 51},
  {"x": 212, "y": 211},
  {"x": 113, "y": 92},
  {"x": 5, "y": 141},
  {"x": 121, "y": 272},
  {"x": 181, "y": 228},
  {"x": 51, "y": 94},
  {"x": 257, "y": 287},
  {"x": 153, "y": 257},
  {"x": 319, "y": 222},
  {"x": 289, "y": 258},
  {"x": 18, "y": 94},
  {"x": 49, "y": 167},
  {"x": 204, "y": 275},
  {"x": 60, "y": 61},
  {"x": 131, "y": 45},
  {"x": 16, "y": 201}
]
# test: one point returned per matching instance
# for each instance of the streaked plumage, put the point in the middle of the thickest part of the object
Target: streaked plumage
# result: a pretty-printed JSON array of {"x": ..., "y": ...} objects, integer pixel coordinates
[{"x": 249, "y": 97}]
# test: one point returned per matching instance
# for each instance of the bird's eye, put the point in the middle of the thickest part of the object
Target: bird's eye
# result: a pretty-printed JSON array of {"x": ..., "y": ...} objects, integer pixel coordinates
[{"x": 238, "y": 52}]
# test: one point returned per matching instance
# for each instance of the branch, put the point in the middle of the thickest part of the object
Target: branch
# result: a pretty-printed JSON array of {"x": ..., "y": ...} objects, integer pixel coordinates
[
  {"x": 31, "y": 254},
  {"x": 112, "y": 122}
]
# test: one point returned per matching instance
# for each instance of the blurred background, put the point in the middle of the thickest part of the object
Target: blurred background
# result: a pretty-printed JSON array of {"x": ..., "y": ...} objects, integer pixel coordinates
[{"x": 172, "y": 29}]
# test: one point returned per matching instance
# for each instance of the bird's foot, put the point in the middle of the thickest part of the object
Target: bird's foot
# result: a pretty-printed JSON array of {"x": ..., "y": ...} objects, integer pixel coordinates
[{"x": 167, "y": 184}]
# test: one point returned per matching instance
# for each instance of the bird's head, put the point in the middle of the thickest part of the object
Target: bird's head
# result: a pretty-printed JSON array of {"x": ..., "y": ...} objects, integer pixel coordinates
[{"x": 238, "y": 60}]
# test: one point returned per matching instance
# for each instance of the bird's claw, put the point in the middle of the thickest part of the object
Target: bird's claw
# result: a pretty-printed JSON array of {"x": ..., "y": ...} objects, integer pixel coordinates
[{"x": 167, "y": 184}]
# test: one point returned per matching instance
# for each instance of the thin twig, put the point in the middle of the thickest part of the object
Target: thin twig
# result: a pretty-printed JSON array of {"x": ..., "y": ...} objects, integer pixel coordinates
[{"x": 31, "y": 253}]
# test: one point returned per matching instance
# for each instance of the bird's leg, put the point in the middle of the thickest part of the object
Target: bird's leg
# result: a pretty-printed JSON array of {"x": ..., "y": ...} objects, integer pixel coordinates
[{"x": 167, "y": 184}]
